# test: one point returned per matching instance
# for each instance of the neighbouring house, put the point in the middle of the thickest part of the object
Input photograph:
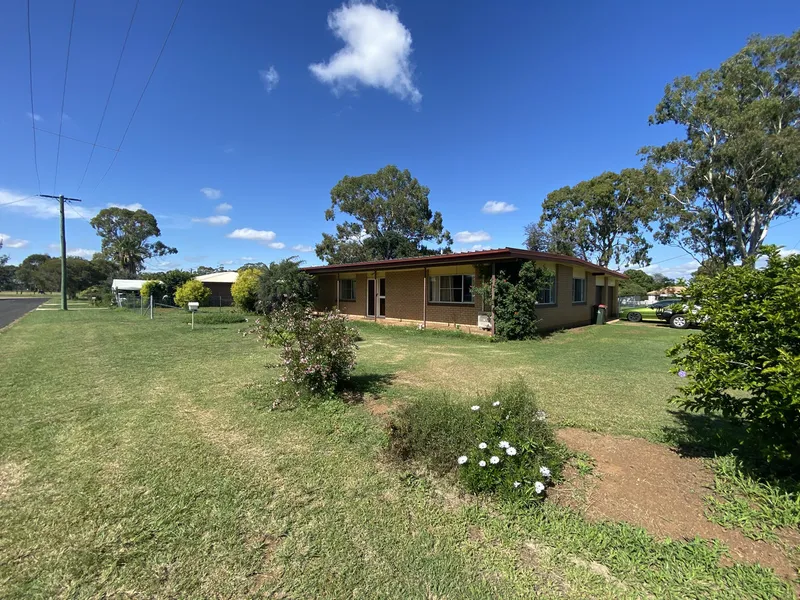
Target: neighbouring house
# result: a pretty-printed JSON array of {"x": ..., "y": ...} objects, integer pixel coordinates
[
  {"x": 436, "y": 291},
  {"x": 673, "y": 291},
  {"x": 220, "y": 286},
  {"x": 126, "y": 289}
]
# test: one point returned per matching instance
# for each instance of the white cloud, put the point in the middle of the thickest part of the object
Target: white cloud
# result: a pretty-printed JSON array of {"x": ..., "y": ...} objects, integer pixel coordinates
[
  {"x": 211, "y": 193},
  {"x": 377, "y": 52},
  {"x": 471, "y": 237},
  {"x": 224, "y": 207},
  {"x": 492, "y": 207},
  {"x": 10, "y": 242},
  {"x": 36, "y": 117},
  {"x": 248, "y": 258},
  {"x": 229, "y": 149},
  {"x": 302, "y": 248},
  {"x": 788, "y": 252},
  {"x": 675, "y": 271},
  {"x": 159, "y": 264},
  {"x": 215, "y": 220},
  {"x": 81, "y": 253},
  {"x": 135, "y": 206},
  {"x": 41, "y": 208},
  {"x": 277, "y": 245},
  {"x": 252, "y": 234},
  {"x": 270, "y": 78},
  {"x": 226, "y": 262},
  {"x": 477, "y": 247}
]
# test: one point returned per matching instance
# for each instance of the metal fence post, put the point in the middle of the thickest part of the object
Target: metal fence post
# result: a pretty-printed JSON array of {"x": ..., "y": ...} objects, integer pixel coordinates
[{"x": 151, "y": 306}]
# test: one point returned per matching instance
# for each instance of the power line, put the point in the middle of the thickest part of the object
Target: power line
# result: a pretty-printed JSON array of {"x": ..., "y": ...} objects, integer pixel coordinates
[
  {"x": 75, "y": 210},
  {"x": 64, "y": 92},
  {"x": 108, "y": 99},
  {"x": 33, "y": 114},
  {"x": 147, "y": 83},
  {"x": 19, "y": 200},
  {"x": 77, "y": 140}
]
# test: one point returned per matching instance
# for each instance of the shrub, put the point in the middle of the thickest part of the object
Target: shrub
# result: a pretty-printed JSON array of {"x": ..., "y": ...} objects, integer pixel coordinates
[
  {"x": 219, "y": 318},
  {"x": 192, "y": 291},
  {"x": 745, "y": 362},
  {"x": 451, "y": 436},
  {"x": 101, "y": 292},
  {"x": 284, "y": 282},
  {"x": 317, "y": 352},
  {"x": 245, "y": 289},
  {"x": 515, "y": 301},
  {"x": 155, "y": 288}
]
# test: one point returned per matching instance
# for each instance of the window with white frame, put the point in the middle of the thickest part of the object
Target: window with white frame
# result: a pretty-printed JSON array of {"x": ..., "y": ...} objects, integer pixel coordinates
[
  {"x": 548, "y": 294},
  {"x": 578, "y": 290},
  {"x": 347, "y": 289},
  {"x": 450, "y": 288}
]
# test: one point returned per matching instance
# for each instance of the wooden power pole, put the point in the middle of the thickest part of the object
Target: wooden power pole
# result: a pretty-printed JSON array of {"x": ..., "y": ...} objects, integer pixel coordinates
[{"x": 61, "y": 200}]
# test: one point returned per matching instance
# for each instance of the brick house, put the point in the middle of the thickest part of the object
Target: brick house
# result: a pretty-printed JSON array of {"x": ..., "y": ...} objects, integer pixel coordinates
[{"x": 435, "y": 291}]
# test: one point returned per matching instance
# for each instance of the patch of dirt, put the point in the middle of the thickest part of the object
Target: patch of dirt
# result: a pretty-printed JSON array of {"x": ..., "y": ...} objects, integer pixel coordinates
[
  {"x": 377, "y": 407},
  {"x": 653, "y": 487},
  {"x": 11, "y": 476}
]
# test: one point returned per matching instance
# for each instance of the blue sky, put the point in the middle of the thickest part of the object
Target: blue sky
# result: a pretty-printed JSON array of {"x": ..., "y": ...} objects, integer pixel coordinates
[{"x": 257, "y": 109}]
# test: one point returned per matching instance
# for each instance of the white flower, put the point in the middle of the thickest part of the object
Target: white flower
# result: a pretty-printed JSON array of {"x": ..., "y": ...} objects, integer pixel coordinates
[
  {"x": 496, "y": 403},
  {"x": 517, "y": 484},
  {"x": 541, "y": 415},
  {"x": 494, "y": 460},
  {"x": 544, "y": 471},
  {"x": 482, "y": 445},
  {"x": 539, "y": 487},
  {"x": 476, "y": 407},
  {"x": 482, "y": 463},
  {"x": 462, "y": 460},
  {"x": 503, "y": 444},
  {"x": 511, "y": 451}
]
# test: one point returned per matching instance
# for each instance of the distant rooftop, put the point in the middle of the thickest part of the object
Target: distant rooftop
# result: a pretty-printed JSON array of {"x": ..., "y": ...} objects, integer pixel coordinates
[{"x": 222, "y": 277}]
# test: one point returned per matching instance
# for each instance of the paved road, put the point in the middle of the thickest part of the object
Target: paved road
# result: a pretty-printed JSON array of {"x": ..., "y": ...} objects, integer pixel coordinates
[{"x": 12, "y": 309}]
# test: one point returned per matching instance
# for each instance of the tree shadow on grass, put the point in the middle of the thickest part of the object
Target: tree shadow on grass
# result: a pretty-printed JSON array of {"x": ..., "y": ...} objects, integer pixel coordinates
[
  {"x": 700, "y": 435},
  {"x": 355, "y": 389}
]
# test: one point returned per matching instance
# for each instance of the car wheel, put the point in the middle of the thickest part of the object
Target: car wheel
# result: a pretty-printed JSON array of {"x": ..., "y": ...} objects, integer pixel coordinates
[
  {"x": 678, "y": 322},
  {"x": 634, "y": 317}
]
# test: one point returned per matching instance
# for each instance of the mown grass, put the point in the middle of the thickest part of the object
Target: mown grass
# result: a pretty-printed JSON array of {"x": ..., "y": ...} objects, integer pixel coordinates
[{"x": 137, "y": 460}]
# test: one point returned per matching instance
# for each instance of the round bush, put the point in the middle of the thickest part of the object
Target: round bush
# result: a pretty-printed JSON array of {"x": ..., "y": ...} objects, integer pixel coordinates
[
  {"x": 245, "y": 289},
  {"x": 192, "y": 291}
]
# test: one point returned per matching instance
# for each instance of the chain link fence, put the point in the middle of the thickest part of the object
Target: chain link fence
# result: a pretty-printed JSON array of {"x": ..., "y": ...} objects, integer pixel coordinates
[{"x": 142, "y": 304}]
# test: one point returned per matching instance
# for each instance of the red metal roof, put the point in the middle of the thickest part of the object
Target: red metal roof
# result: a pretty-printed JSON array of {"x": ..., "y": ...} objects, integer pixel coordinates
[{"x": 497, "y": 254}]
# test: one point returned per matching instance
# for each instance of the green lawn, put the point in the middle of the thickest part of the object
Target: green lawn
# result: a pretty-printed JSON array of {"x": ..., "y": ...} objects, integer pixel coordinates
[{"x": 137, "y": 459}]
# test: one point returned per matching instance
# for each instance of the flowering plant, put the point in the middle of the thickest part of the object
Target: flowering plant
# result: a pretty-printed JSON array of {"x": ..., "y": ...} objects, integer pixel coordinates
[
  {"x": 502, "y": 444},
  {"x": 506, "y": 460},
  {"x": 317, "y": 352}
]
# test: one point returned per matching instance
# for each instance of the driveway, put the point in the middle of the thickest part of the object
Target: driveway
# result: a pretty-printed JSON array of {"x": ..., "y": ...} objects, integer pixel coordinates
[{"x": 12, "y": 309}]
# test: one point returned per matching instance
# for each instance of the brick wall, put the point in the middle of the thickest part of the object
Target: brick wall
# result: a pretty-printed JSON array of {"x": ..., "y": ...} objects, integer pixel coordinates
[
  {"x": 326, "y": 292},
  {"x": 564, "y": 313},
  {"x": 405, "y": 294}
]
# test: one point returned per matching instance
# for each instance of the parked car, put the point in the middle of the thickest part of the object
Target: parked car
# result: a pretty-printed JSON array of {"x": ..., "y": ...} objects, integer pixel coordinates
[
  {"x": 634, "y": 315},
  {"x": 679, "y": 315}
]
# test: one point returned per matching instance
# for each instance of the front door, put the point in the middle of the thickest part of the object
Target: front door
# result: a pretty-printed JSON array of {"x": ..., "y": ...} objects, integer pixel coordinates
[
  {"x": 381, "y": 297},
  {"x": 600, "y": 297}
]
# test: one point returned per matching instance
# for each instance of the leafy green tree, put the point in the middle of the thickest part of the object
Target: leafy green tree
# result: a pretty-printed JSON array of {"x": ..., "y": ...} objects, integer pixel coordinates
[
  {"x": 126, "y": 238},
  {"x": 172, "y": 280},
  {"x": 738, "y": 167},
  {"x": 637, "y": 284},
  {"x": 550, "y": 237},
  {"x": 7, "y": 272},
  {"x": 392, "y": 219},
  {"x": 33, "y": 277},
  {"x": 245, "y": 289},
  {"x": 605, "y": 218},
  {"x": 192, "y": 291},
  {"x": 284, "y": 283},
  {"x": 661, "y": 281},
  {"x": 745, "y": 362},
  {"x": 201, "y": 270}
]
